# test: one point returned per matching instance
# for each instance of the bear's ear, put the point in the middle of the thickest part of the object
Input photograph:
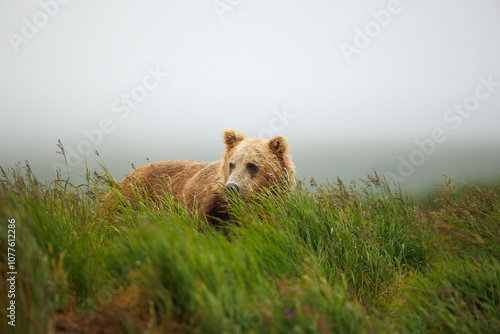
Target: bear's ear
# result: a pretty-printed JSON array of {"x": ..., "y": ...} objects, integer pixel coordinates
[
  {"x": 278, "y": 144},
  {"x": 231, "y": 138}
]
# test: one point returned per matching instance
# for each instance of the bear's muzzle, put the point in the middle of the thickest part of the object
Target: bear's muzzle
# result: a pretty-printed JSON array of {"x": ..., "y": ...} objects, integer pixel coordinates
[{"x": 232, "y": 187}]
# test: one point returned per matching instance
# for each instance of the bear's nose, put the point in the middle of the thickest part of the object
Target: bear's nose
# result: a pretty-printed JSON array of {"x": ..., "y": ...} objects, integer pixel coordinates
[{"x": 233, "y": 187}]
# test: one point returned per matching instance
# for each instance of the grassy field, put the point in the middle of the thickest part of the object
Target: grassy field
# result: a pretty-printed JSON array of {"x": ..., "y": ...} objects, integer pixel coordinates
[{"x": 328, "y": 258}]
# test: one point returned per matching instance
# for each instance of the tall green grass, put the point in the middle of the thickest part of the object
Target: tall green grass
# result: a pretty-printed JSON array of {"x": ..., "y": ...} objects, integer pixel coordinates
[{"x": 361, "y": 257}]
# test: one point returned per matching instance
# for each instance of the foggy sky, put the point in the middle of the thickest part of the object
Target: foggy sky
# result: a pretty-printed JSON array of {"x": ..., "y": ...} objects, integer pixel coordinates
[{"x": 342, "y": 79}]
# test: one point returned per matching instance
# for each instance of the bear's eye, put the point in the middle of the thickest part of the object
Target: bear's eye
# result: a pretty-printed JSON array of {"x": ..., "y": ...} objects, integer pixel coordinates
[
  {"x": 231, "y": 166},
  {"x": 252, "y": 168}
]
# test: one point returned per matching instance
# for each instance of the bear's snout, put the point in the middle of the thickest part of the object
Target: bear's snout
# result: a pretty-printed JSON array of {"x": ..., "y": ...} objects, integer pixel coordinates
[{"x": 232, "y": 187}]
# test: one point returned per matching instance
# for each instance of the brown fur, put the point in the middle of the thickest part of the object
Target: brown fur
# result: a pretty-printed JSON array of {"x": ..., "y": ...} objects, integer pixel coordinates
[{"x": 200, "y": 185}]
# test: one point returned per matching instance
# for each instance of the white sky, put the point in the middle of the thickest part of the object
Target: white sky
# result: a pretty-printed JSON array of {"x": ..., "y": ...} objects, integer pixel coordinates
[{"x": 237, "y": 71}]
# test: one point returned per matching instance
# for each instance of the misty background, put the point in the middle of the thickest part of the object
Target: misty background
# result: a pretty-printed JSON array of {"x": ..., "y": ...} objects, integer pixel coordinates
[{"x": 354, "y": 85}]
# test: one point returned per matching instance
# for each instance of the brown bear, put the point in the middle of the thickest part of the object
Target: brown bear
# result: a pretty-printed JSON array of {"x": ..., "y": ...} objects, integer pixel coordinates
[{"x": 248, "y": 166}]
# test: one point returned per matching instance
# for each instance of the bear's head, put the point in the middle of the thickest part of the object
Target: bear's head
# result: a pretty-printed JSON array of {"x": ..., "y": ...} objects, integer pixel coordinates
[{"x": 250, "y": 165}]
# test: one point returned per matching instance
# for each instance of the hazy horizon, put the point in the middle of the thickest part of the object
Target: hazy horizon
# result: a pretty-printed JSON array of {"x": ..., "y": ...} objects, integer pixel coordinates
[{"x": 410, "y": 89}]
